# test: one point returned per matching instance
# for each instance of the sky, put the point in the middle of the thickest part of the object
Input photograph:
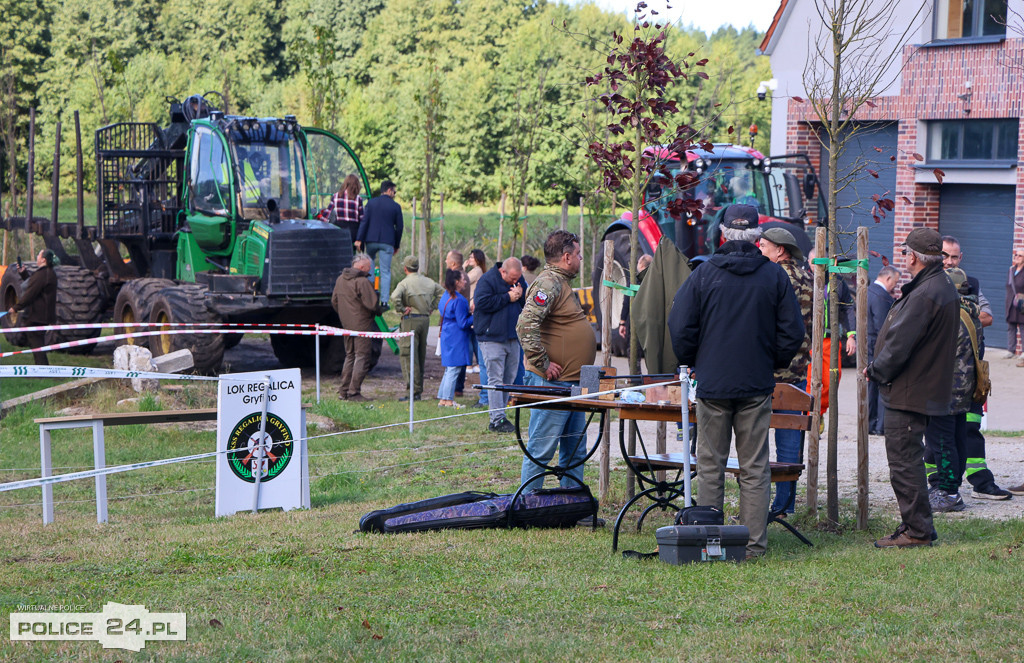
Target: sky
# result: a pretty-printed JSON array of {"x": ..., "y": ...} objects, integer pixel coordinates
[{"x": 708, "y": 15}]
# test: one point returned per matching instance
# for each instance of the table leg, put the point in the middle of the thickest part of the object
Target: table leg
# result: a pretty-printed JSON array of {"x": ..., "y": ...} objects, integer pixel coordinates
[
  {"x": 46, "y": 467},
  {"x": 99, "y": 455}
]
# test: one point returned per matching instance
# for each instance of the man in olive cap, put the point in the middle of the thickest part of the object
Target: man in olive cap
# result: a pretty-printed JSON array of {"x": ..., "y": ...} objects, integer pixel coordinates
[
  {"x": 414, "y": 299},
  {"x": 779, "y": 246},
  {"x": 913, "y": 365}
]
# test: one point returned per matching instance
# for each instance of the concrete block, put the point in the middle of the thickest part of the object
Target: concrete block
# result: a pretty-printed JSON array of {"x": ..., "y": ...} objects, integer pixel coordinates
[{"x": 174, "y": 362}]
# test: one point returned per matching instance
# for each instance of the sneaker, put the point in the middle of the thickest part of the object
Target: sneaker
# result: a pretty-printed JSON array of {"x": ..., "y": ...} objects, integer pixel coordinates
[
  {"x": 501, "y": 426},
  {"x": 590, "y": 521},
  {"x": 1016, "y": 490},
  {"x": 454, "y": 406},
  {"x": 900, "y": 539},
  {"x": 1020, "y": 363},
  {"x": 992, "y": 492},
  {"x": 942, "y": 502},
  {"x": 479, "y": 406},
  {"x": 1009, "y": 355},
  {"x": 405, "y": 399}
]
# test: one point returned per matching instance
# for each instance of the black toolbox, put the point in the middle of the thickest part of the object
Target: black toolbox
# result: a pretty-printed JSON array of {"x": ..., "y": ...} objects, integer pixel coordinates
[{"x": 683, "y": 544}]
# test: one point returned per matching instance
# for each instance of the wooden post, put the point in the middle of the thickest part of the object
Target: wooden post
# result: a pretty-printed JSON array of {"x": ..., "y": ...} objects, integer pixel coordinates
[
  {"x": 583, "y": 257},
  {"x": 422, "y": 247},
  {"x": 501, "y": 226},
  {"x": 55, "y": 184},
  {"x": 80, "y": 192},
  {"x": 606, "y": 360},
  {"x": 526, "y": 216},
  {"x": 817, "y": 338},
  {"x": 862, "y": 382},
  {"x": 440, "y": 239},
  {"x": 565, "y": 214}
]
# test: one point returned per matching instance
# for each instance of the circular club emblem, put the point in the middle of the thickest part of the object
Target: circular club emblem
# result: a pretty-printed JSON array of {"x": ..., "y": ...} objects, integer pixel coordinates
[
  {"x": 540, "y": 298},
  {"x": 277, "y": 447}
]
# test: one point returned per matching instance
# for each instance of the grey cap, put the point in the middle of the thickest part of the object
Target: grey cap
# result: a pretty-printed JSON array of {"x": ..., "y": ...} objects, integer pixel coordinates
[{"x": 783, "y": 237}]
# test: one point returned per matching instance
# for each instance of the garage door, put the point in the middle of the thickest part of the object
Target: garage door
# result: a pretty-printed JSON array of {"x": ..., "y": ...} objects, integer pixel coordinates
[
  {"x": 855, "y": 202},
  {"x": 981, "y": 217}
]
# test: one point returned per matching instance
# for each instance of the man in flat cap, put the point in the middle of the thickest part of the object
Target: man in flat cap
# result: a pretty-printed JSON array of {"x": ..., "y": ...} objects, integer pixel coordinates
[
  {"x": 913, "y": 365},
  {"x": 414, "y": 299},
  {"x": 779, "y": 246}
]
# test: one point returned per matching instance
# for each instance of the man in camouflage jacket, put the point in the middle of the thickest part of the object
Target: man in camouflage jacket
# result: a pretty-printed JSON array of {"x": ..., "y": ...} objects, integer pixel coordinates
[
  {"x": 557, "y": 340},
  {"x": 779, "y": 246}
]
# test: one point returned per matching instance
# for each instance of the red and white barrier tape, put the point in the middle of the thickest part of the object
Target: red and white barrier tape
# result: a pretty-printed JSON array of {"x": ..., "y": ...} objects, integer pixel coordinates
[
  {"x": 129, "y": 325},
  {"x": 323, "y": 330}
]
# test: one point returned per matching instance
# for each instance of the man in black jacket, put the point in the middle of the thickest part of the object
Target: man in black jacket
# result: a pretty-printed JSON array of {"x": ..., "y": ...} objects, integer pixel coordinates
[
  {"x": 498, "y": 301},
  {"x": 913, "y": 365},
  {"x": 38, "y": 302},
  {"x": 880, "y": 300},
  {"x": 735, "y": 320},
  {"x": 380, "y": 233}
]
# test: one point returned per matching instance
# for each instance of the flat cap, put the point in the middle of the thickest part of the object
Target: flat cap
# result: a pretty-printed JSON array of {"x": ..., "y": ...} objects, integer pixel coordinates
[
  {"x": 783, "y": 237},
  {"x": 412, "y": 263},
  {"x": 925, "y": 240},
  {"x": 740, "y": 217}
]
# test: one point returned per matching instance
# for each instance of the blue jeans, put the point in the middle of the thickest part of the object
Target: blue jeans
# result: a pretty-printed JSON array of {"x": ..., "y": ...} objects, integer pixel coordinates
[
  {"x": 550, "y": 429},
  {"x": 483, "y": 370},
  {"x": 446, "y": 391},
  {"x": 385, "y": 251},
  {"x": 789, "y": 447}
]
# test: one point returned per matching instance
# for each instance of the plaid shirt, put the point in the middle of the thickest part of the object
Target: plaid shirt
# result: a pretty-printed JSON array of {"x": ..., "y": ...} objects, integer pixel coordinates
[{"x": 348, "y": 210}]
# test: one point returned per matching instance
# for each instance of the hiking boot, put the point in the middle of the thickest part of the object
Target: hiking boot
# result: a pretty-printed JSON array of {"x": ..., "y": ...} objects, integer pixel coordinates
[
  {"x": 589, "y": 521},
  {"x": 357, "y": 398},
  {"x": 501, "y": 426},
  {"x": 900, "y": 539},
  {"x": 991, "y": 492},
  {"x": 942, "y": 502},
  {"x": 1016, "y": 490}
]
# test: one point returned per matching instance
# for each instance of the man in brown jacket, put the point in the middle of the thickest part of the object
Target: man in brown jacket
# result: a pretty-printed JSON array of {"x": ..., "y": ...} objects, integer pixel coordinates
[
  {"x": 355, "y": 300},
  {"x": 38, "y": 302},
  {"x": 913, "y": 364}
]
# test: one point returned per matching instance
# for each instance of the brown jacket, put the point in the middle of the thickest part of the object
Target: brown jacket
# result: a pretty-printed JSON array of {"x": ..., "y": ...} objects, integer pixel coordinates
[
  {"x": 1014, "y": 284},
  {"x": 38, "y": 299},
  {"x": 916, "y": 346},
  {"x": 355, "y": 300}
]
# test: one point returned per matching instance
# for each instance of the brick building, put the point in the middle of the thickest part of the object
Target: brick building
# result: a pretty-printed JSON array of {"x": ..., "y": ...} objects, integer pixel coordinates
[{"x": 952, "y": 101}]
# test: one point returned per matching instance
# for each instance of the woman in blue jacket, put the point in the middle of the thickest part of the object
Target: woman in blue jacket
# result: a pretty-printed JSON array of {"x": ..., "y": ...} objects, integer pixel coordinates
[{"x": 455, "y": 341}]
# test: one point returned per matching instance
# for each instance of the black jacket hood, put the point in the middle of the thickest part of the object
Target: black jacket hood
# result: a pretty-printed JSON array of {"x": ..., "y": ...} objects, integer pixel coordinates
[{"x": 738, "y": 257}]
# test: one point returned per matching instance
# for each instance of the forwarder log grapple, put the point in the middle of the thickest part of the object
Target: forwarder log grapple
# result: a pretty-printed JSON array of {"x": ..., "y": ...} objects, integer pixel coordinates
[{"x": 209, "y": 220}]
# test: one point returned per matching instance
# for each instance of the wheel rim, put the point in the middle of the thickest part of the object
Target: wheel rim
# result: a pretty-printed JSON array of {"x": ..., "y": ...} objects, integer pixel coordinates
[
  {"x": 128, "y": 315},
  {"x": 164, "y": 340}
]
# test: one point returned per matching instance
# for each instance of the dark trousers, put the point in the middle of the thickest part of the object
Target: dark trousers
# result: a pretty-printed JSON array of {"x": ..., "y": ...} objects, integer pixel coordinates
[
  {"x": 945, "y": 441},
  {"x": 905, "y": 452},
  {"x": 357, "y": 365},
  {"x": 876, "y": 410},
  {"x": 978, "y": 473},
  {"x": 38, "y": 340},
  {"x": 419, "y": 324}
]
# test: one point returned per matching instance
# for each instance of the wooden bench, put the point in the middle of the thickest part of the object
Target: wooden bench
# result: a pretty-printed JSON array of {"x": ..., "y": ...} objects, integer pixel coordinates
[{"x": 786, "y": 397}]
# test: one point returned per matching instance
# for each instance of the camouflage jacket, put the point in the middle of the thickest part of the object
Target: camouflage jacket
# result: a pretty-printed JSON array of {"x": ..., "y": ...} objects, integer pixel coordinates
[
  {"x": 553, "y": 327},
  {"x": 803, "y": 286},
  {"x": 963, "y": 369}
]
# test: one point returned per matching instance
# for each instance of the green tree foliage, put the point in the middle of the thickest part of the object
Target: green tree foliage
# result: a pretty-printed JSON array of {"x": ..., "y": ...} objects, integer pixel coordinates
[{"x": 497, "y": 78}]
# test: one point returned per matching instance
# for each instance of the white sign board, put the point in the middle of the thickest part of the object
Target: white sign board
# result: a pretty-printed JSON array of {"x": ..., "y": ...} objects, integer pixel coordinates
[{"x": 283, "y": 474}]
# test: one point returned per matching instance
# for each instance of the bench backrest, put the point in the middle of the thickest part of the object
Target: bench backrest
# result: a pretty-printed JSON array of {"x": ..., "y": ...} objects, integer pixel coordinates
[{"x": 788, "y": 397}]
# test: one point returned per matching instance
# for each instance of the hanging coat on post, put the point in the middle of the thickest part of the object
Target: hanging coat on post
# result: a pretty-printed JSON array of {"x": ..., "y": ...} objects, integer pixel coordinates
[{"x": 652, "y": 302}]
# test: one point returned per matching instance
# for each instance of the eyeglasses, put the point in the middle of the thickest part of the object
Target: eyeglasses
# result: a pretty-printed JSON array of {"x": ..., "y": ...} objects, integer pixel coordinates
[{"x": 903, "y": 251}]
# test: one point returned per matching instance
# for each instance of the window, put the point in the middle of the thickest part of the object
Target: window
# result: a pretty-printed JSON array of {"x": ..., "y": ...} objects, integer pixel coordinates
[
  {"x": 972, "y": 140},
  {"x": 209, "y": 174},
  {"x": 969, "y": 19}
]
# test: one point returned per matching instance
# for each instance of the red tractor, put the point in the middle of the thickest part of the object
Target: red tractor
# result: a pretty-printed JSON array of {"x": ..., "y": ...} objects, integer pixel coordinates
[{"x": 779, "y": 187}]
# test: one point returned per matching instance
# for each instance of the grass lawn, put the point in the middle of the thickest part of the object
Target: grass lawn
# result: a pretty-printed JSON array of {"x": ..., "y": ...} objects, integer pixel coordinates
[{"x": 305, "y": 586}]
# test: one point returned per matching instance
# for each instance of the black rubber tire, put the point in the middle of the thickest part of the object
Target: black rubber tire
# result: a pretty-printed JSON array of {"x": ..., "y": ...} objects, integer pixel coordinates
[
  {"x": 10, "y": 290},
  {"x": 134, "y": 304},
  {"x": 231, "y": 340},
  {"x": 183, "y": 304},
  {"x": 620, "y": 346},
  {"x": 79, "y": 301},
  {"x": 299, "y": 352}
]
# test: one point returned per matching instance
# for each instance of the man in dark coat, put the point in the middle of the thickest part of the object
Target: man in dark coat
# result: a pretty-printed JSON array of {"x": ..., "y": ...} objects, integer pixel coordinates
[
  {"x": 497, "y": 303},
  {"x": 380, "y": 233},
  {"x": 913, "y": 365},
  {"x": 735, "y": 321},
  {"x": 880, "y": 300},
  {"x": 38, "y": 302},
  {"x": 356, "y": 303}
]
